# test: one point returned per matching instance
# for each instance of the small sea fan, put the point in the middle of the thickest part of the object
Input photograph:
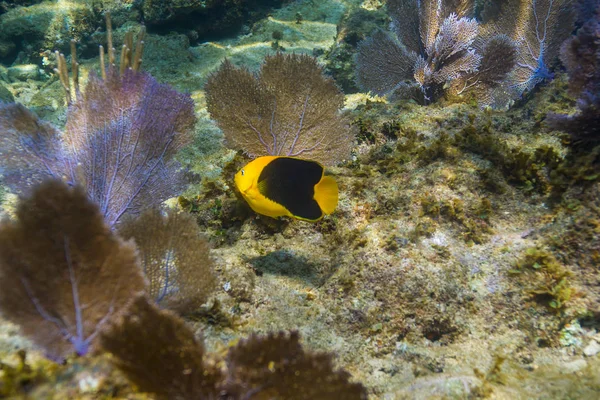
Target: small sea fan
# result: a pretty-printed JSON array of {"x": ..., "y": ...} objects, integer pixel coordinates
[{"x": 174, "y": 256}]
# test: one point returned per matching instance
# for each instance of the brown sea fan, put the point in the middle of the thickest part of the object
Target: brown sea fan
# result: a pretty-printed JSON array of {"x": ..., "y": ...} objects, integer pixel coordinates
[
  {"x": 63, "y": 273},
  {"x": 161, "y": 355},
  {"x": 288, "y": 108}
]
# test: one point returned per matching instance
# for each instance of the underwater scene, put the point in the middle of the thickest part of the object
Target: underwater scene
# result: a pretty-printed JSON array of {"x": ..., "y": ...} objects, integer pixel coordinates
[{"x": 300, "y": 199}]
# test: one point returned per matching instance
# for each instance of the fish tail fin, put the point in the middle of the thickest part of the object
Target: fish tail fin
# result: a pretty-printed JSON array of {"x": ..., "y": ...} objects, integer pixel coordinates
[{"x": 326, "y": 194}]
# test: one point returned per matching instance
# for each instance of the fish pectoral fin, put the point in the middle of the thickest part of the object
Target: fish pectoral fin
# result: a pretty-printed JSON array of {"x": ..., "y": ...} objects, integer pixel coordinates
[
  {"x": 262, "y": 186},
  {"x": 326, "y": 194}
]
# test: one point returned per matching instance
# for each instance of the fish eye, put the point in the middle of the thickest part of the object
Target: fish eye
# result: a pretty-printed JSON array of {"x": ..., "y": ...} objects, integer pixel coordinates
[{"x": 242, "y": 172}]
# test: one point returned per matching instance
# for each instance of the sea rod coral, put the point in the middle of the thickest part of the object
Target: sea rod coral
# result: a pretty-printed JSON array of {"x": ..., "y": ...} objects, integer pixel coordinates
[
  {"x": 438, "y": 45},
  {"x": 289, "y": 108}
]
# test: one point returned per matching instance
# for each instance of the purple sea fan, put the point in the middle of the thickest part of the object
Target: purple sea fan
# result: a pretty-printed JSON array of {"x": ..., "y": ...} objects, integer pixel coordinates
[
  {"x": 119, "y": 143},
  {"x": 124, "y": 134},
  {"x": 581, "y": 56},
  {"x": 31, "y": 150}
]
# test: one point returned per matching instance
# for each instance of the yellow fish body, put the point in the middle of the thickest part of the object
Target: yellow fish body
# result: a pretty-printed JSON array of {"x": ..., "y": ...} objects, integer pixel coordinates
[{"x": 287, "y": 186}]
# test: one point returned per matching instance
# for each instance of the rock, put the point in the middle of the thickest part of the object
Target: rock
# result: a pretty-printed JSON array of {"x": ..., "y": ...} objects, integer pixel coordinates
[
  {"x": 5, "y": 95},
  {"x": 47, "y": 25},
  {"x": 26, "y": 21},
  {"x": 24, "y": 72},
  {"x": 158, "y": 12},
  {"x": 592, "y": 349},
  {"x": 3, "y": 73},
  {"x": 574, "y": 366},
  {"x": 6, "y": 48}
]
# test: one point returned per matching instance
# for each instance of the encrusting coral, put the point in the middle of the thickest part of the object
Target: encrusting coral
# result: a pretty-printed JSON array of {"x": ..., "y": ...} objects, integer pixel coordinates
[
  {"x": 63, "y": 273},
  {"x": 289, "y": 108}
]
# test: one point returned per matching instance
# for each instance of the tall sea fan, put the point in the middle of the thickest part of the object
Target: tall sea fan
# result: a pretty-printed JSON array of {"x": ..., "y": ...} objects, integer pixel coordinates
[
  {"x": 63, "y": 273},
  {"x": 123, "y": 134}
]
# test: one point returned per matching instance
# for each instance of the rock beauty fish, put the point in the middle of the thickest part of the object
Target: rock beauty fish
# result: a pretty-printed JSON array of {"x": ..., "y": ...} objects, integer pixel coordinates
[{"x": 279, "y": 186}]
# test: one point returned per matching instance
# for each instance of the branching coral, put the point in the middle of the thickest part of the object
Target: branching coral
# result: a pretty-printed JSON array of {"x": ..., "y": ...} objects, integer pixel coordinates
[
  {"x": 63, "y": 274},
  {"x": 440, "y": 47},
  {"x": 289, "y": 108},
  {"x": 161, "y": 355}
]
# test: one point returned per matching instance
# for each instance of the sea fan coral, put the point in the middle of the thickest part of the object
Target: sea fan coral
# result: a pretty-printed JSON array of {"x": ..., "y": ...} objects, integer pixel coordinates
[
  {"x": 120, "y": 139},
  {"x": 174, "y": 258},
  {"x": 63, "y": 274},
  {"x": 440, "y": 47},
  {"x": 161, "y": 355},
  {"x": 289, "y": 108},
  {"x": 276, "y": 366},
  {"x": 122, "y": 136},
  {"x": 538, "y": 27},
  {"x": 581, "y": 56},
  {"x": 31, "y": 150}
]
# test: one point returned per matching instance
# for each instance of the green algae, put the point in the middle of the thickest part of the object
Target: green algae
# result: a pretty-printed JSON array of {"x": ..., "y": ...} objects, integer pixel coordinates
[{"x": 545, "y": 279}]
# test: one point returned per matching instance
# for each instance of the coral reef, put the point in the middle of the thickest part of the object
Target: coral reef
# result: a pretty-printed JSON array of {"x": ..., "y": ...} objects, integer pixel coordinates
[
  {"x": 290, "y": 108},
  {"x": 461, "y": 261}
]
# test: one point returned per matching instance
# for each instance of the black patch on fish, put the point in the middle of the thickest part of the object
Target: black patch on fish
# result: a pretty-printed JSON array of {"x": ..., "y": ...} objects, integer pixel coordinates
[{"x": 291, "y": 183}]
